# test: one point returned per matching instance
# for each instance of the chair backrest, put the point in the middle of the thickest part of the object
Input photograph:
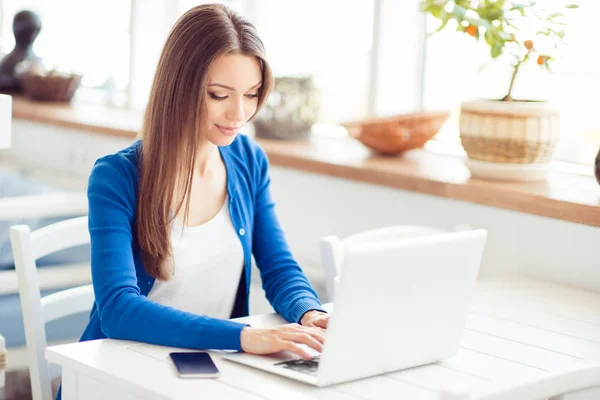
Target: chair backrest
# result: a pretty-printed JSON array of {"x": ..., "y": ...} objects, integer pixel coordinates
[
  {"x": 27, "y": 247},
  {"x": 37, "y": 209},
  {"x": 332, "y": 248}
]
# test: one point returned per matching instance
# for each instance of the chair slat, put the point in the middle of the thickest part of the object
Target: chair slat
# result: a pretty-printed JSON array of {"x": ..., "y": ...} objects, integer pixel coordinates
[
  {"x": 59, "y": 236},
  {"x": 27, "y": 247},
  {"x": 29, "y": 293},
  {"x": 67, "y": 302},
  {"x": 43, "y": 206}
]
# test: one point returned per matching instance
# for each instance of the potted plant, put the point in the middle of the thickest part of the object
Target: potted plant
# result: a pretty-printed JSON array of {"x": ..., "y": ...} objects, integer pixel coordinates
[{"x": 507, "y": 130}]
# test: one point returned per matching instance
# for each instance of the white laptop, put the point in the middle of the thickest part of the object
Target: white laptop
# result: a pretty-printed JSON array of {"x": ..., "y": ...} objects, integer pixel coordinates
[{"x": 398, "y": 304}]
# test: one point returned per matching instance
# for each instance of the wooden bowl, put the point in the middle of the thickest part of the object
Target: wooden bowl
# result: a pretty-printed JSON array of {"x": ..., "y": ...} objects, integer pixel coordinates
[
  {"x": 50, "y": 87},
  {"x": 394, "y": 135}
]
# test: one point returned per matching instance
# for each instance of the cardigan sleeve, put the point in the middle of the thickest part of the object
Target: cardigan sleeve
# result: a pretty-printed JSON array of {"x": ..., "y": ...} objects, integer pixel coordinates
[
  {"x": 285, "y": 285},
  {"x": 125, "y": 313}
]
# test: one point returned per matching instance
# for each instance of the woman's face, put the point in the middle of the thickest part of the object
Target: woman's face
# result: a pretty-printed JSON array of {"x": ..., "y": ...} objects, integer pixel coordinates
[{"x": 233, "y": 86}]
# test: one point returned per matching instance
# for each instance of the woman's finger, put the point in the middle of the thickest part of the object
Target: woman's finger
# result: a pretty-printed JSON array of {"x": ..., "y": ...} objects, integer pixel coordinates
[
  {"x": 321, "y": 321},
  {"x": 316, "y": 332},
  {"x": 295, "y": 348},
  {"x": 304, "y": 338}
]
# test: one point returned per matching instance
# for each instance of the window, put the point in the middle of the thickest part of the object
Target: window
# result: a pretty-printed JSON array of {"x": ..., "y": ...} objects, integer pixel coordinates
[
  {"x": 328, "y": 40},
  {"x": 151, "y": 23},
  {"x": 453, "y": 60},
  {"x": 89, "y": 37},
  {"x": 367, "y": 58}
]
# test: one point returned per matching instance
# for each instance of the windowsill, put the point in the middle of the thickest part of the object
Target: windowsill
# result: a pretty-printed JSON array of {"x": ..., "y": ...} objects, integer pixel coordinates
[{"x": 563, "y": 196}]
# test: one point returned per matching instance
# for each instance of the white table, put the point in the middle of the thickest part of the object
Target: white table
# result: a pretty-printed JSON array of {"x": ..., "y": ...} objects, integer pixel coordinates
[{"x": 516, "y": 331}]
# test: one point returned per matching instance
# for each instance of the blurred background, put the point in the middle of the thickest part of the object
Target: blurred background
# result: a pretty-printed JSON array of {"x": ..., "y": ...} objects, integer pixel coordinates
[
  {"x": 375, "y": 61},
  {"x": 367, "y": 58}
]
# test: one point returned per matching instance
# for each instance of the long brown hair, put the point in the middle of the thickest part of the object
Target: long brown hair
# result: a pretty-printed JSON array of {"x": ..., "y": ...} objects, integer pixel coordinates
[{"x": 172, "y": 128}]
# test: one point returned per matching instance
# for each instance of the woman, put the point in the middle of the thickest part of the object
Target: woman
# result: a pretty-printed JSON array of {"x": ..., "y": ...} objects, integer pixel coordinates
[{"x": 174, "y": 218}]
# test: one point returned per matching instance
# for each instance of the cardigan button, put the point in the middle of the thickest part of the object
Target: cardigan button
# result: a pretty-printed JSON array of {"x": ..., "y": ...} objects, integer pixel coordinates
[{"x": 242, "y": 232}]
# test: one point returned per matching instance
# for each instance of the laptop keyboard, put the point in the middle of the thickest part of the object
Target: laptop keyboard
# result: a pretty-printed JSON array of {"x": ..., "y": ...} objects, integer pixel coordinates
[{"x": 309, "y": 367}]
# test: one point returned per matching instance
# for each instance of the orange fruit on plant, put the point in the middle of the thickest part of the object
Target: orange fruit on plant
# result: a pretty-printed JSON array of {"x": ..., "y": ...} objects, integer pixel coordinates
[
  {"x": 541, "y": 60},
  {"x": 529, "y": 44},
  {"x": 471, "y": 30}
]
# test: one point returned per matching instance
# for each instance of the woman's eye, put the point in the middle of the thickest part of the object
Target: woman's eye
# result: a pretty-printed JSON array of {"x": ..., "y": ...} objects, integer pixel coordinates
[
  {"x": 215, "y": 97},
  {"x": 252, "y": 96}
]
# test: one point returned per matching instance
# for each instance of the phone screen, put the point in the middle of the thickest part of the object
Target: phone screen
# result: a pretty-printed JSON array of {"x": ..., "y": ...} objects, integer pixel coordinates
[{"x": 194, "y": 363}]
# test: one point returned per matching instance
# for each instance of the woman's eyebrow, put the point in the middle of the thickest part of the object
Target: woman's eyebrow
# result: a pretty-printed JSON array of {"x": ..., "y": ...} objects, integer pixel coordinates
[{"x": 230, "y": 88}]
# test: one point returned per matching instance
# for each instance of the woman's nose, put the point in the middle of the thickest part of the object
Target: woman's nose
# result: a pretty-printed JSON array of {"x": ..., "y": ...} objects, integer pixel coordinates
[{"x": 236, "y": 111}]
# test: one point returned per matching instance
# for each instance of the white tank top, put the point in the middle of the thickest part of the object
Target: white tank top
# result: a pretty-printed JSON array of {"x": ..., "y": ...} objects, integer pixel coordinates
[{"x": 208, "y": 261}]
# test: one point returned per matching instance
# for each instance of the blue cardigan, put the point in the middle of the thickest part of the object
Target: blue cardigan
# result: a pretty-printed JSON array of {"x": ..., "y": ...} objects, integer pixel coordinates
[{"x": 121, "y": 309}]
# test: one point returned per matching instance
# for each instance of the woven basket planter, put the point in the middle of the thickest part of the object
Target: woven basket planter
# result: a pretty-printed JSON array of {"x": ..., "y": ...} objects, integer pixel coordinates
[{"x": 509, "y": 132}]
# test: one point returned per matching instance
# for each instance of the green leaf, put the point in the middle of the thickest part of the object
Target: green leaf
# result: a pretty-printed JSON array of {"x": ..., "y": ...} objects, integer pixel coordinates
[
  {"x": 514, "y": 27},
  {"x": 518, "y": 7},
  {"x": 459, "y": 11},
  {"x": 472, "y": 21},
  {"x": 489, "y": 39},
  {"x": 433, "y": 8},
  {"x": 443, "y": 25},
  {"x": 495, "y": 15},
  {"x": 496, "y": 50},
  {"x": 572, "y": 6},
  {"x": 480, "y": 69},
  {"x": 485, "y": 23},
  {"x": 555, "y": 14},
  {"x": 561, "y": 34}
]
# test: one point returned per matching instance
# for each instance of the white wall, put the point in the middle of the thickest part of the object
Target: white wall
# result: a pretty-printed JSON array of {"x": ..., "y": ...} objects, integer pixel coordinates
[{"x": 311, "y": 206}]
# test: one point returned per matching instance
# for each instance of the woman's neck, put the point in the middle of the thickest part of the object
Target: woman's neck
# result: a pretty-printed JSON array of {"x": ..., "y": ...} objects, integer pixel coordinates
[{"x": 205, "y": 159}]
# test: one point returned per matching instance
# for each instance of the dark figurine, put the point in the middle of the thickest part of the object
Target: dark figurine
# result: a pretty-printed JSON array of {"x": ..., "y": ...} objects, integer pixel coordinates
[
  {"x": 598, "y": 167},
  {"x": 26, "y": 28}
]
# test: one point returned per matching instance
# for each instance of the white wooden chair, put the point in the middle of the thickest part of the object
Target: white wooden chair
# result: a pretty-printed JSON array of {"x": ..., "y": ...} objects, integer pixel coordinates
[
  {"x": 2, "y": 360},
  {"x": 48, "y": 205},
  {"x": 27, "y": 247}
]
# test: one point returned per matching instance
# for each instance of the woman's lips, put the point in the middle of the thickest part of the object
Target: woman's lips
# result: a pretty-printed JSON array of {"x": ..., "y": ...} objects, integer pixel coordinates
[{"x": 227, "y": 131}]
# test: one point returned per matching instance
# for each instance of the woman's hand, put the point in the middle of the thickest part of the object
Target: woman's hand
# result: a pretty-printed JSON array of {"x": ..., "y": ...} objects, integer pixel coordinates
[
  {"x": 284, "y": 337},
  {"x": 315, "y": 318}
]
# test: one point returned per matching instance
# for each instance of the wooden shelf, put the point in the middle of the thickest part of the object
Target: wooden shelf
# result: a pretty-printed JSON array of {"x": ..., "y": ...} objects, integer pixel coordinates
[{"x": 563, "y": 196}]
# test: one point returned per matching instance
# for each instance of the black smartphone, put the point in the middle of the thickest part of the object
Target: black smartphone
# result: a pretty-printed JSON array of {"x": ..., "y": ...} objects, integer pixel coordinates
[{"x": 194, "y": 365}]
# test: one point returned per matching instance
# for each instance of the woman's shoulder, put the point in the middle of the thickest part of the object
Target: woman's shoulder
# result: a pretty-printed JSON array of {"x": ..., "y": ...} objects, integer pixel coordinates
[
  {"x": 119, "y": 166},
  {"x": 247, "y": 149},
  {"x": 248, "y": 158}
]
